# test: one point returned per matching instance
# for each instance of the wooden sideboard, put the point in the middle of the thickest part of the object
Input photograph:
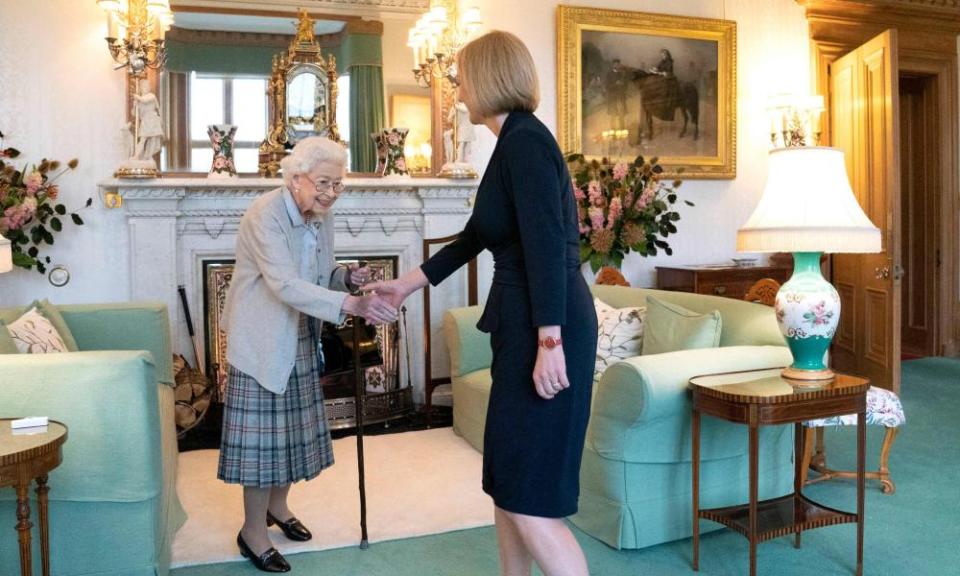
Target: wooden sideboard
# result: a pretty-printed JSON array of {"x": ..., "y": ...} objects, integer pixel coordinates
[{"x": 718, "y": 280}]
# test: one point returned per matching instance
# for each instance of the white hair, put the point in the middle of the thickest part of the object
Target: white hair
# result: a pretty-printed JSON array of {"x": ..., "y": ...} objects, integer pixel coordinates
[{"x": 310, "y": 152}]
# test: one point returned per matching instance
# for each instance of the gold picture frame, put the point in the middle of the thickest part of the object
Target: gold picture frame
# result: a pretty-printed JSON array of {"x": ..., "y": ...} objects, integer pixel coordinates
[{"x": 622, "y": 75}]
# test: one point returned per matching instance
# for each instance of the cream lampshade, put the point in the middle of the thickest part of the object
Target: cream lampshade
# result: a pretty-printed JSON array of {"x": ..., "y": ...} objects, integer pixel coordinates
[
  {"x": 6, "y": 256},
  {"x": 807, "y": 208}
]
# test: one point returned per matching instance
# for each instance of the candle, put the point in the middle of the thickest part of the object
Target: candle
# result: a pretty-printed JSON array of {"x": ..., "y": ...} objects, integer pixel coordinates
[{"x": 111, "y": 25}]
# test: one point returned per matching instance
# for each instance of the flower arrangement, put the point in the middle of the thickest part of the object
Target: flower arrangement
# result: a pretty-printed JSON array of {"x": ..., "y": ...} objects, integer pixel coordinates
[
  {"x": 29, "y": 212},
  {"x": 622, "y": 208}
]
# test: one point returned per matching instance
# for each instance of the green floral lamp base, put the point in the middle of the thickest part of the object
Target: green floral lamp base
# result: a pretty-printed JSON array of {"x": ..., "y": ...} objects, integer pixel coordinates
[{"x": 808, "y": 312}]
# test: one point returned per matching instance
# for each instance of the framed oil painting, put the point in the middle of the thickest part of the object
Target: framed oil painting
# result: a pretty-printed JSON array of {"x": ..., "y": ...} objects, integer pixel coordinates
[{"x": 634, "y": 83}]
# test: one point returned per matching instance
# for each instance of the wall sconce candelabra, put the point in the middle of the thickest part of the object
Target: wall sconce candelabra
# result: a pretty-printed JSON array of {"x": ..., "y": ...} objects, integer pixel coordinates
[
  {"x": 794, "y": 120},
  {"x": 435, "y": 42},
  {"x": 135, "y": 33}
]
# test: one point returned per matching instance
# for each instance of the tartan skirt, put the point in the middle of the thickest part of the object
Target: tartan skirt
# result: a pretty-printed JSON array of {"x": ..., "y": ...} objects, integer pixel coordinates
[{"x": 276, "y": 439}]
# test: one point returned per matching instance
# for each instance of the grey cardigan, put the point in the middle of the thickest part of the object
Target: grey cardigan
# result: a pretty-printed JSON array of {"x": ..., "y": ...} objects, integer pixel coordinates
[{"x": 266, "y": 296}]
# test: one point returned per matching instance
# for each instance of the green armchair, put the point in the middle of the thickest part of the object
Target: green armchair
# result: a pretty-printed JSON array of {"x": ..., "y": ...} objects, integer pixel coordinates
[
  {"x": 635, "y": 475},
  {"x": 113, "y": 501}
]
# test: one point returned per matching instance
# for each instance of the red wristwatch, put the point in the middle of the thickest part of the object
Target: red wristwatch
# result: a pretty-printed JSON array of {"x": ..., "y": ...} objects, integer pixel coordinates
[{"x": 550, "y": 342}]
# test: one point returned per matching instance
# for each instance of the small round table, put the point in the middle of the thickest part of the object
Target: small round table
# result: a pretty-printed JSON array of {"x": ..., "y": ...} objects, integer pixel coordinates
[
  {"x": 763, "y": 397},
  {"x": 27, "y": 455}
]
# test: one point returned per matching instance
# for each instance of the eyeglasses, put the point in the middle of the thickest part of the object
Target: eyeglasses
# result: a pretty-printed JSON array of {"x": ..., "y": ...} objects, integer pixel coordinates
[{"x": 325, "y": 186}]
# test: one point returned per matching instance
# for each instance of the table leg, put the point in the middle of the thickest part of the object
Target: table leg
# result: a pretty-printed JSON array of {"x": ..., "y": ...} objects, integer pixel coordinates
[
  {"x": 23, "y": 527},
  {"x": 798, "y": 448},
  {"x": 42, "y": 490},
  {"x": 861, "y": 476},
  {"x": 754, "y": 465},
  {"x": 695, "y": 463}
]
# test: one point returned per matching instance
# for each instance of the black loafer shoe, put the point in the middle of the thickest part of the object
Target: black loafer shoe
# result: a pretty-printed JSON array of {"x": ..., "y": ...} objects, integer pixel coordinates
[
  {"x": 292, "y": 528},
  {"x": 269, "y": 561}
]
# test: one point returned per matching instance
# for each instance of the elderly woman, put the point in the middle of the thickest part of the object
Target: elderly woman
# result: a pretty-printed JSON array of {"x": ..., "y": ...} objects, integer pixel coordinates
[
  {"x": 285, "y": 284},
  {"x": 539, "y": 313}
]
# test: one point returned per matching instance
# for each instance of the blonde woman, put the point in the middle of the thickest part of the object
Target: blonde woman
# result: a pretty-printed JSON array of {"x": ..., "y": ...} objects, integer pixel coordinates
[
  {"x": 539, "y": 313},
  {"x": 285, "y": 284}
]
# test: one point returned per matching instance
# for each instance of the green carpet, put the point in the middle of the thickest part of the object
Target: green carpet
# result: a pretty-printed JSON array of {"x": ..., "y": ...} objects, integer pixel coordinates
[{"x": 913, "y": 532}]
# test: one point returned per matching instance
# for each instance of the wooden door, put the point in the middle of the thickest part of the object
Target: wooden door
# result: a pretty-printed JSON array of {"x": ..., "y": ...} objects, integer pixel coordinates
[
  {"x": 920, "y": 220},
  {"x": 864, "y": 103}
]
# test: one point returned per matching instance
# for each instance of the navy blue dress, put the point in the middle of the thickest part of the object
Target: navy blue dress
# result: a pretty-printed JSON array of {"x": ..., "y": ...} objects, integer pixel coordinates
[{"x": 526, "y": 215}]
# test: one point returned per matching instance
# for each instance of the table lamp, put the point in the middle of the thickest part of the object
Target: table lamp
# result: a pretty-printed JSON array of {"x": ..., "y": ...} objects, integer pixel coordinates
[
  {"x": 807, "y": 208},
  {"x": 6, "y": 255}
]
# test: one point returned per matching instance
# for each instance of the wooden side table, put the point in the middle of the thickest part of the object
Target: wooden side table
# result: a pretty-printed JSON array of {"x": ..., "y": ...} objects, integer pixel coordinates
[
  {"x": 763, "y": 397},
  {"x": 719, "y": 280},
  {"x": 25, "y": 457}
]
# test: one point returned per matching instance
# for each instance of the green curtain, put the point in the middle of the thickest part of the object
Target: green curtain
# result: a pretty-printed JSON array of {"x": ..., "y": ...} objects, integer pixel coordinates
[
  {"x": 367, "y": 115},
  {"x": 219, "y": 59}
]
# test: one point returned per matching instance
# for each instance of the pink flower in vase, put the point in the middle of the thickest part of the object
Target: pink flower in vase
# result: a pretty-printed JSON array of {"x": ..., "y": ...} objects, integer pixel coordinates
[
  {"x": 595, "y": 193},
  {"x": 401, "y": 164},
  {"x": 219, "y": 163},
  {"x": 620, "y": 171},
  {"x": 616, "y": 212},
  {"x": 393, "y": 138},
  {"x": 32, "y": 182},
  {"x": 596, "y": 217}
]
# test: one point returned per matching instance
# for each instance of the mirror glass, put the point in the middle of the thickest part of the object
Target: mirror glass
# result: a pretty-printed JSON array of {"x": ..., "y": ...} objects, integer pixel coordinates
[
  {"x": 306, "y": 104},
  {"x": 218, "y": 72}
]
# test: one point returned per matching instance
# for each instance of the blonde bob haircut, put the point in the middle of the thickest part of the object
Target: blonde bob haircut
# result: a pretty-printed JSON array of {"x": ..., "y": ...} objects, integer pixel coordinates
[{"x": 498, "y": 71}]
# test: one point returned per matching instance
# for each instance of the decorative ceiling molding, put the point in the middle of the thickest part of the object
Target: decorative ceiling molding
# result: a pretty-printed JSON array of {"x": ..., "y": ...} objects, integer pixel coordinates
[
  {"x": 919, "y": 15},
  {"x": 337, "y": 6}
]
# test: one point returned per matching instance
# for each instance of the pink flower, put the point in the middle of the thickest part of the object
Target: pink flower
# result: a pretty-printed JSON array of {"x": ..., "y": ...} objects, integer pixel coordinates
[
  {"x": 616, "y": 211},
  {"x": 401, "y": 164},
  {"x": 393, "y": 138},
  {"x": 584, "y": 229},
  {"x": 596, "y": 217},
  {"x": 628, "y": 199},
  {"x": 33, "y": 181},
  {"x": 53, "y": 191},
  {"x": 595, "y": 193},
  {"x": 219, "y": 163},
  {"x": 577, "y": 192},
  {"x": 620, "y": 171}
]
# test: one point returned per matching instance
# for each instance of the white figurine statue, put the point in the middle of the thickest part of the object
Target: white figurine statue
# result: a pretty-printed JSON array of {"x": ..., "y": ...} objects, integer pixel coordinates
[
  {"x": 465, "y": 132},
  {"x": 455, "y": 153},
  {"x": 148, "y": 135}
]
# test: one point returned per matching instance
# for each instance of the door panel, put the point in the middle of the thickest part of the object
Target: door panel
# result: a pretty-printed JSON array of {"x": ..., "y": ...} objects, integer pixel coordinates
[{"x": 865, "y": 124}]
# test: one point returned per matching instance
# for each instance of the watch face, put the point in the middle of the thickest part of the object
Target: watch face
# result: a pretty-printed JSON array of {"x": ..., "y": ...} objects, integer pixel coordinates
[{"x": 549, "y": 343}]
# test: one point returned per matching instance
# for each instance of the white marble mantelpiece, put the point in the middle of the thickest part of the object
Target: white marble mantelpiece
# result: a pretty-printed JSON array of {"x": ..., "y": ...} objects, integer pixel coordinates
[{"x": 175, "y": 224}]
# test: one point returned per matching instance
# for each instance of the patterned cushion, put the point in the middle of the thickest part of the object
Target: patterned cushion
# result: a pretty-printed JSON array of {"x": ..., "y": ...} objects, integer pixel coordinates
[
  {"x": 32, "y": 333},
  {"x": 883, "y": 409},
  {"x": 619, "y": 335}
]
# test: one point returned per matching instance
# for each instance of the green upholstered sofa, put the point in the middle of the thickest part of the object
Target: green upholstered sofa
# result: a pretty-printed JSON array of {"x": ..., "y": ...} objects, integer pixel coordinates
[
  {"x": 113, "y": 501},
  {"x": 635, "y": 476}
]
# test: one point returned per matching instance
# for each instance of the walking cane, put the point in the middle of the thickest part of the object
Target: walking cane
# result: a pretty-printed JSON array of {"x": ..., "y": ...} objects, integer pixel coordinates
[{"x": 358, "y": 408}]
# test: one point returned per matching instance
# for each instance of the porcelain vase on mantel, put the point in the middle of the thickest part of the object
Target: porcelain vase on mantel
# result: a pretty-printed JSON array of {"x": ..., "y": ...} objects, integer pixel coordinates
[
  {"x": 390, "y": 156},
  {"x": 221, "y": 139}
]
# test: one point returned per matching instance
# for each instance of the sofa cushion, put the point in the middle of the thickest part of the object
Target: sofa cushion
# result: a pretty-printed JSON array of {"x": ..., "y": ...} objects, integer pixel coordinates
[
  {"x": 671, "y": 327},
  {"x": 48, "y": 311},
  {"x": 32, "y": 333},
  {"x": 619, "y": 334}
]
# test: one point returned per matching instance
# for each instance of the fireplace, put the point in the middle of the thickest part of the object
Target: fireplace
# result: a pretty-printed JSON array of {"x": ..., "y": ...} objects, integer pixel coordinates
[
  {"x": 176, "y": 225},
  {"x": 386, "y": 396}
]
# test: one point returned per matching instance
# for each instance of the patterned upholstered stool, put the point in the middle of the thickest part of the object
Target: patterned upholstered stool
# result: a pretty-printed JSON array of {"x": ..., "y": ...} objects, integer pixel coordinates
[{"x": 883, "y": 409}]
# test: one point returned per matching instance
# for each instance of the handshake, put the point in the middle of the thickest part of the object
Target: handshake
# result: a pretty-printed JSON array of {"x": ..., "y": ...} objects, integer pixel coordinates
[{"x": 379, "y": 301}]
